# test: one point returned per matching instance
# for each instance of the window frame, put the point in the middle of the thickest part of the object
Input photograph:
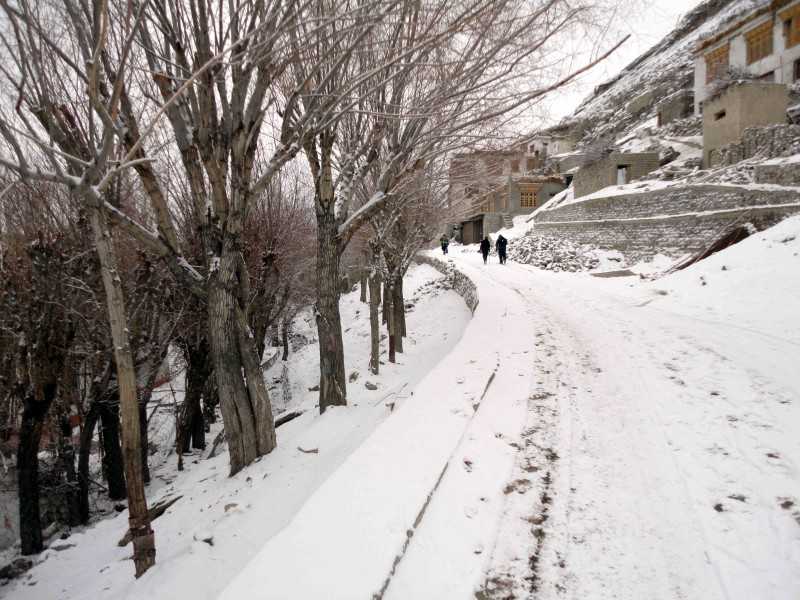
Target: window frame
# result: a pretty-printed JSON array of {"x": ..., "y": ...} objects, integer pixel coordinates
[
  {"x": 717, "y": 62},
  {"x": 527, "y": 197},
  {"x": 760, "y": 42},
  {"x": 791, "y": 26}
]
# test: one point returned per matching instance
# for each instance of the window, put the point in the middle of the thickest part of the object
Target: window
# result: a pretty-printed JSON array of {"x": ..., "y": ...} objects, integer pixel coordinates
[
  {"x": 791, "y": 25},
  {"x": 527, "y": 198},
  {"x": 622, "y": 174},
  {"x": 717, "y": 63},
  {"x": 515, "y": 166},
  {"x": 759, "y": 42},
  {"x": 494, "y": 166},
  {"x": 796, "y": 70}
]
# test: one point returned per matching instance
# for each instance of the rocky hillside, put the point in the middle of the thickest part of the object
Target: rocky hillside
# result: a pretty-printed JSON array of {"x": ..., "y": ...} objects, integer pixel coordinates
[{"x": 627, "y": 102}]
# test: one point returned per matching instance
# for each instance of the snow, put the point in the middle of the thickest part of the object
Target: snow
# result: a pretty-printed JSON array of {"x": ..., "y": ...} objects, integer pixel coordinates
[
  {"x": 587, "y": 438},
  {"x": 785, "y": 160},
  {"x": 240, "y": 513}
]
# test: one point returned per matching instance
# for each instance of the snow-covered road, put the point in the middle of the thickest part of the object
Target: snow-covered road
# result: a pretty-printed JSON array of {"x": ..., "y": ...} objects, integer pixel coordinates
[
  {"x": 589, "y": 439},
  {"x": 677, "y": 472}
]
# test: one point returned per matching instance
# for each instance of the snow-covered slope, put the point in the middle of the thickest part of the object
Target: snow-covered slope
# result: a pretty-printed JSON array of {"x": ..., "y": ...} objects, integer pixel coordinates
[
  {"x": 753, "y": 285},
  {"x": 218, "y": 524}
]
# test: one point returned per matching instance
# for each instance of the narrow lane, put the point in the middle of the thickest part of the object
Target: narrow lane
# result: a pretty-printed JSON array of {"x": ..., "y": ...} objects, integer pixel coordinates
[{"x": 675, "y": 453}]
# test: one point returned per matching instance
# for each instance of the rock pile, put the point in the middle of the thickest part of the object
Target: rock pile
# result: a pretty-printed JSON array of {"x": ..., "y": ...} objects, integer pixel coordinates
[{"x": 553, "y": 253}]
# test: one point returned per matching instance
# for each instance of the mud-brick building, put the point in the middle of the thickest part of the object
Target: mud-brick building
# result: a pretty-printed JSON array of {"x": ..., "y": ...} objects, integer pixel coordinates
[
  {"x": 616, "y": 168},
  {"x": 496, "y": 208}
]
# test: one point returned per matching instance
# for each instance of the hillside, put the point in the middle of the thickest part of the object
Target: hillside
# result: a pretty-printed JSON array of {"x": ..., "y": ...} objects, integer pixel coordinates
[{"x": 604, "y": 118}]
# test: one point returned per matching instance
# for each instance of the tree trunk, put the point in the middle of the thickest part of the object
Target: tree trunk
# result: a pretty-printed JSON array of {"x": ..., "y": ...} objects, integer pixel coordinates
[
  {"x": 191, "y": 429},
  {"x": 144, "y": 442},
  {"x": 385, "y": 303},
  {"x": 332, "y": 384},
  {"x": 364, "y": 285},
  {"x": 285, "y": 338},
  {"x": 374, "y": 323},
  {"x": 30, "y": 435},
  {"x": 246, "y": 410},
  {"x": 398, "y": 315},
  {"x": 84, "y": 451},
  {"x": 144, "y": 550},
  {"x": 402, "y": 301},
  {"x": 389, "y": 315},
  {"x": 113, "y": 467},
  {"x": 210, "y": 400}
]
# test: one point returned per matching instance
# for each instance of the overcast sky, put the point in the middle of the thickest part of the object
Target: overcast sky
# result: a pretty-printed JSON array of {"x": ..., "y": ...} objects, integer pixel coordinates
[{"x": 647, "y": 21}]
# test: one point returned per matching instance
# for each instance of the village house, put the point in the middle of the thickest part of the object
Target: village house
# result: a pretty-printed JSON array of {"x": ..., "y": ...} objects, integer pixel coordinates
[
  {"x": 496, "y": 208},
  {"x": 615, "y": 168},
  {"x": 762, "y": 45},
  {"x": 475, "y": 173},
  {"x": 760, "y": 56}
]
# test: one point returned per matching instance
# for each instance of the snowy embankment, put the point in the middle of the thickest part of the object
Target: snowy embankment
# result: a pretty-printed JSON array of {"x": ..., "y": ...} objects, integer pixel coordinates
[{"x": 220, "y": 522}]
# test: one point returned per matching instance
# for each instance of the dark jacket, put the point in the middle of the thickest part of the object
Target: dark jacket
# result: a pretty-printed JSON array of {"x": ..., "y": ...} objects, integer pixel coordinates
[
  {"x": 485, "y": 246},
  {"x": 501, "y": 244}
]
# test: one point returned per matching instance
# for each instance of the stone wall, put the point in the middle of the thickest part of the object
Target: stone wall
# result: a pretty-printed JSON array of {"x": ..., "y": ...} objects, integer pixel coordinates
[
  {"x": 457, "y": 281},
  {"x": 677, "y": 106},
  {"x": 759, "y": 142},
  {"x": 603, "y": 173},
  {"x": 778, "y": 173},
  {"x": 671, "y": 221}
]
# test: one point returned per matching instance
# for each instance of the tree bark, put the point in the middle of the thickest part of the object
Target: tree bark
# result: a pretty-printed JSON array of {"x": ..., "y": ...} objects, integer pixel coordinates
[
  {"x": 246, "y": 409},
  {"x": 144, "y": 550},
  {"x": 84, "y": 451},
  {"x": 66, "y": 457},
  {"x": 402, "y": 302},
  {"x": 399, "y": 315},
  {"x": 389, "y": 315},
  {"x": 113, "y": 465},
  {"x": 144, "y": 443},
  {"x": 285, "y": 338},
  {"x": 191, "y": 429},
  {"x": 30, "y": 435},
  {"x": 374, "y": 323},
  {"x": 385, "y": 303},
  {"x": 364, "y": 285},
  {"x": 332, "y": 383}
]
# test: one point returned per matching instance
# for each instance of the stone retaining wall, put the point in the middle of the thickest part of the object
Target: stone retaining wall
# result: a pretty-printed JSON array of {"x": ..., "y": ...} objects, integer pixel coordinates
[
  {"x": 458, "y": 282},
  {"x": 672, "y": 221}
]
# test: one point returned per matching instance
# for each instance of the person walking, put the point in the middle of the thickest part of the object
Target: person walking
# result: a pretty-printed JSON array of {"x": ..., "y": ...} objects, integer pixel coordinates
[
  {"x": 485, "y": 247},
  {"x": 445, "y": 243},
  {"x": 501, "y": 245}
]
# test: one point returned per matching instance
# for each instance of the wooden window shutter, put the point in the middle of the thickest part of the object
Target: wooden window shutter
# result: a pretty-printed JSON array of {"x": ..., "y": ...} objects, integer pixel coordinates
[
  {"x": 791, "y": 25},
  {"x": 759, "y": 42},
  {"x": 717, "y": 63}
]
